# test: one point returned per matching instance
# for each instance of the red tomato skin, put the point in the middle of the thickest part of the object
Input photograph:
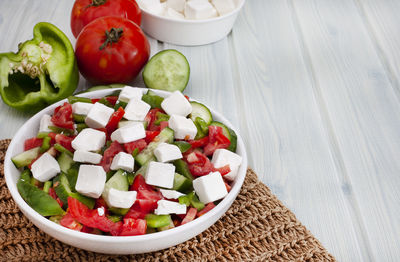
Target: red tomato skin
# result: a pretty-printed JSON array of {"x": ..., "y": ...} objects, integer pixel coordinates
[
  {"x": 32, "y": 143},
  {"x": 62, "y": 116},
  {"x": 139, "y": 144},
  {"x": 120, "y": 62},
  {"x": 83, "y": 13},
  {"x": 133, "y": 227},
  {"x": 112, "y": 124},
  {"x": 109, "y": 154},
  {"x": 69, "y": 222},
  {"x": 207, "y": 208},
  {"x": 191, "y": 214},
  {"x": 65, "y": 141}
]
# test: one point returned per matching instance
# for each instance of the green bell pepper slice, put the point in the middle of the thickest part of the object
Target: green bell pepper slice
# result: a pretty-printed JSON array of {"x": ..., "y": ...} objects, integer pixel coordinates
[{"x": 43, "y": 71}]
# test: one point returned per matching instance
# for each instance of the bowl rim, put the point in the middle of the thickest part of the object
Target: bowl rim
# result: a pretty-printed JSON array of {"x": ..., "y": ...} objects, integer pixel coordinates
[
  {"x": 117, "y": 239},
  {"x": 201, "y": 21}
]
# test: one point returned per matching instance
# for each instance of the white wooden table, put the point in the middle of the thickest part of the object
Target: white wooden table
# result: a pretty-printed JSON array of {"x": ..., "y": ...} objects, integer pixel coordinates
[{"x": 314, "y": 87}]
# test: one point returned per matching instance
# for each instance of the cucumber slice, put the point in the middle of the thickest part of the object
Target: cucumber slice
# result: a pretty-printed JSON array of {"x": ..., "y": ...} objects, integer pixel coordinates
[
  {"x": 166, "y": 136},
  {"x": 181, "y": 183},
  {"x": 200, "y": 110},
  {"x": 225, "y": 129},
  {"x": 182, "y": 168},
  {"x": 167, "y": 70},
  {"x": 156, "y": 221},
  {"x": 26, "y": 157},
  {"x": 65, "y": 161},
  {"x": 118, "y": 181}
]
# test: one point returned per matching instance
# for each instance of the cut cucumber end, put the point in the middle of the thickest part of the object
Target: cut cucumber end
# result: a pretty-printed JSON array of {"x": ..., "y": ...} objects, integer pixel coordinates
[{"x": 167, "y": 70}]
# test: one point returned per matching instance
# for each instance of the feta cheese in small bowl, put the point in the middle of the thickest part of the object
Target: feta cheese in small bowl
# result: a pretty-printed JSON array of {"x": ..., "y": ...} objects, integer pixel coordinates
[
  {"x": 92, "y": 183},
  {"x": 189, "y": 22}
]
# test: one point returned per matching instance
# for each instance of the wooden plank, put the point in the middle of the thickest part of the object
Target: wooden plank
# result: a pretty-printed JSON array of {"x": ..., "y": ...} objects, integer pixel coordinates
[
  {"x": 285, "y": 136},
  {"x": 364, "y": 113}
]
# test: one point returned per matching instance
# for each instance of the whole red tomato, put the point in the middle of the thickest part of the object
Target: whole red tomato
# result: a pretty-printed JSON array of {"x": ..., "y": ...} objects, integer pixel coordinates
[
  {"x": 111, "y": 50},
  {"x": 85, "y": 11}
]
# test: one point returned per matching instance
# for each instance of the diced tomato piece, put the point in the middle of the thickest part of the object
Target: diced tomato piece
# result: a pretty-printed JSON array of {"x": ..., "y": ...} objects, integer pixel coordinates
[
  {"x": 151, "y": 118},
  {"x": 112, "y": 124},
  {"x": 101, "y": 203},
  {"x": 199, "y": 164},
  {"x": 65, "y": 141},
  {"x": 112, "y": 99},
  {"x": 149, "y": 194},
  {"x": 133, "y": 227},
  {"x": 139, "y": 144},
  {"x": 69, "y": 222},
  {"x": 32, "y": 143},
  {"x": 135, "y": 212},
  {"x": 147, "y": 205},
  {"x": 191, "y": 214},
  {"x": 59, "y": 201},
  {"x": 217, "y": 140},
  {"x": 86, "y": 229},
  {"x": 52, "y": 193},
  {"x": 95, "y": 100},
  {"x": 140, "y": 184},
  {"x": 199, "y": 142},
  {"x": 52, "y": 135},
  {"x": 187, "y": 97},
  {"x": 163, "y": 124},
  {"x": 91, "y": 218},
  {"x": 62, "y": 116},
  {"x": 176, "y": 222},
  {"x": 109, "y": 154},
  {"x": 150, "y": 135},
  {"x": 228, "y": 187},
  {"x": 207, "y": 208},
  {"x": 223, "y": 170}
]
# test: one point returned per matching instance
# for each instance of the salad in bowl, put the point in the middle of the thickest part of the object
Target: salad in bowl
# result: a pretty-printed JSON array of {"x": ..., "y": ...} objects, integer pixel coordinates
[{"x": 126, "y": 170}]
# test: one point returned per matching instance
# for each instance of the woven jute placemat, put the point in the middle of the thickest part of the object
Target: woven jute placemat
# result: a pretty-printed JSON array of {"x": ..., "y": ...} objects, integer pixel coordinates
[{"x": 257, "y": 227}]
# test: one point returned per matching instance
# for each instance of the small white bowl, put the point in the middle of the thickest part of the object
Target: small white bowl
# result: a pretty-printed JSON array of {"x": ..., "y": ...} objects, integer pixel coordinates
[
  {"x": 112, "y": 244},
  {"x": 189, "y": 32}
]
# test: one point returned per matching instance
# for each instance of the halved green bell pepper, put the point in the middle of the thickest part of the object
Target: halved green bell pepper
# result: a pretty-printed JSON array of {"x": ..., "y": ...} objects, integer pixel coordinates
[{"x": 43, "y": 71}]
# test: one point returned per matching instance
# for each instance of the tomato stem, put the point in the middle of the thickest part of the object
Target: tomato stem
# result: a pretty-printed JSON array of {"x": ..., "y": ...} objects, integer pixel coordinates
[
  {"x": 96, "y": 3},
  {"x": 112, "y": 36}
]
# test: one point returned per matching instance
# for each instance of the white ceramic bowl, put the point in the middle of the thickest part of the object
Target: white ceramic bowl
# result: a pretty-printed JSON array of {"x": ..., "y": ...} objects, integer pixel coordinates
[
  {"x": 189, "y": 32},
  {"x": 111, "y": 244}
]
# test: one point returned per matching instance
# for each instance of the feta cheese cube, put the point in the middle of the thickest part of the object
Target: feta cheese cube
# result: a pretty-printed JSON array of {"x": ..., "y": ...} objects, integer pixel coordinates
[
  {"x": 171, "y": 194},
  {"x": 123, "y": 161},
  {"x": 98, "y": 115},
  {"x": 224, "y": 6},
  {"x": 183, "y": 127},
  {"x": 129, "y": 133},
  {"x": 87, "y": 157},
  {"x": 91, "y": 180},
  {"x": 223, "y": 157},
  {"x": 176, "y": 104},
  {"x": 81, "y": 108},
  {"x": 160, "y": 174},
  {"x": 165, "y": 207},
  {"x": 176, "y": 5},
  {"x": 120, "y": 199},
  {"x": 167, "y": 152},
  {"x": 128, "y": 92},
  {"x": 153, "y": 6},
  {"x": 89, "y": 139},
  {"x": 199, "y": 9},
  {"x": 210, "y": 187},
  {"x": 45, "y": 122},
  {"x": 172, "y": 13},
  {"x": 45, "y": 168},
  {"x": 123, "y": 123},
  {"x": 136, "y": 110}
]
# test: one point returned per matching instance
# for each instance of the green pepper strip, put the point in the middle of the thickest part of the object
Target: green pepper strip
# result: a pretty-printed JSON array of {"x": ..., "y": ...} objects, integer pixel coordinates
[
  {"x": 195, "y": 202},
  {"x": 153, "y": 100},
  {"x": 62, "y": 149},
  {"x": 42, "y": 134},
  {"x": 81, "y": 126},
  {"x": 185, "y": 200},
  {"x": 160, "y": 117},
  {"x": 74, "y": 99},
  {"x": 26, "y": 176},
  {"x": 45, "y": 145},
  {"x": 79, "y": 118},
  {"x": 183, "y": 146},
  {"x": 105, "y": 102},
  {"x": 47, "y": 186},
  {"x": 60, "y": 130},
  {"x": 120, "y": 104},
  {"x": 135, "y": 152},
  {"x": 39, "y": 200},
  {"x": 155, "y": 221},
  {"x": 202, "y": 128}
]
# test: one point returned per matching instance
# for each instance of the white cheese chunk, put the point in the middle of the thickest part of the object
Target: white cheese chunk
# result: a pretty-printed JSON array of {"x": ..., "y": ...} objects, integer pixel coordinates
[
  {"x": 129, "y": 133},
  {"x": 81, "y": 108},
  {"x": 176, "y": 104},
  {"x": 210, "y": 187},
  {"x": 176, "y": 5},
  {"x": 160, "y": 174},
  {"x": 120, "y": 199},
  {"x": 224, "y": 6},
  {"x": 123, "y": 161},
  {"x": 91, "y": 180},
  {"x": 129, "y": 92},
  {"x": 223, "y": 157},
  {"x": 172, "y": 13},
  {"x": 165, "y": 207},
  {"x": 129, "y": 122},
  {"x": 136, "y": 110},
  {"x": 89, "y": 139},
  {"x": 167, "y": 152},
  {"x": 45, "y": 122},
  {"x": 171, "y": 194},
  {"x": 45, "y": 168},
  {"x": 199, "y": 9},
  {"x": 98, "y": 115},
  {"x": 153, "y": 6},
  {"x": 87, "y": 157},
  {"x": 183, "y": 127}
]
